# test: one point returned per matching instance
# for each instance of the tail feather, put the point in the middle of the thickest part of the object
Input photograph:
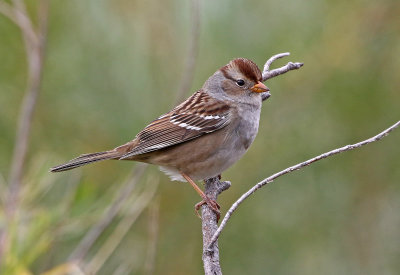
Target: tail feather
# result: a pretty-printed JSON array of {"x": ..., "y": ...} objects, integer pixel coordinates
[{"x": 86, "y": 159}]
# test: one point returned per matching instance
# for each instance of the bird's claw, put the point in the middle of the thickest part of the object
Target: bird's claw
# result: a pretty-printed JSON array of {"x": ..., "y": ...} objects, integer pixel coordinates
[{"x": 212, "y": 204}]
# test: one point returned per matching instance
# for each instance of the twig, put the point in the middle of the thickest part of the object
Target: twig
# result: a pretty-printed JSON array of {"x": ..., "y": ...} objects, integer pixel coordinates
[
  {"x": 213, "y": 186},
  {"x": 20, "y": 19},
  {"x": 291, "y": 169},
  {"x": 209, "y": 224},
  {"x": 267, "y": 74}
]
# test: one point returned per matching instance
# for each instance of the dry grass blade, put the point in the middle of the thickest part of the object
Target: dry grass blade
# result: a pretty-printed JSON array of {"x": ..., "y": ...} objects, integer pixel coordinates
[
  {"x": 34, "y": 41},
  {"x": 122, "y": 195},
  {"x": 121, "y": 229},
  {"x": 154, "y": 213}
]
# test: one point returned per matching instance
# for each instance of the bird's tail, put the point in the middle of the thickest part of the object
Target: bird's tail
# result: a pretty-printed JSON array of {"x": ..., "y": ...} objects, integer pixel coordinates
[{"x": 86, "y": 159}]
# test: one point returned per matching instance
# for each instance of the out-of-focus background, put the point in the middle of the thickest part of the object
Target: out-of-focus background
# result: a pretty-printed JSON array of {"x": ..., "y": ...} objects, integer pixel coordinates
[{"x": 113, "y": 66}]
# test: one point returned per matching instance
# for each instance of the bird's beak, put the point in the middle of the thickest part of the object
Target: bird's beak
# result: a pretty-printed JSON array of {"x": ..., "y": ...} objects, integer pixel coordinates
[{"x": 259, "y": 88}]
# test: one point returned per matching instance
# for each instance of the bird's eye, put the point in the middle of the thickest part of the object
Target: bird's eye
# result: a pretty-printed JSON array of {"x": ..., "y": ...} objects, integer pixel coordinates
[{"x": 240, "y": 82}]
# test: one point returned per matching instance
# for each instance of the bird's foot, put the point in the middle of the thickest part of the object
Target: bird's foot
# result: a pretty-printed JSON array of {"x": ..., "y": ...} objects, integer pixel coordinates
[{"x": 211, "y": 203}]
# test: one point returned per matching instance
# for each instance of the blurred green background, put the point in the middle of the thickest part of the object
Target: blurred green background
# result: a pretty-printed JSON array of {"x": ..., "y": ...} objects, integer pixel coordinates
[{"x": 113, "y": 66}]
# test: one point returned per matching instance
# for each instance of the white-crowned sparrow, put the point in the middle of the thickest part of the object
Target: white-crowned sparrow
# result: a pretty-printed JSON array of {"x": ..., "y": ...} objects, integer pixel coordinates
[{"x": 204, "y": 135}]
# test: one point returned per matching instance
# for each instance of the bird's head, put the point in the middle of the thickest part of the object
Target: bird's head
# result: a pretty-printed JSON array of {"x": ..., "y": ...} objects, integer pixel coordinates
[{"x": 239, "y": 79}]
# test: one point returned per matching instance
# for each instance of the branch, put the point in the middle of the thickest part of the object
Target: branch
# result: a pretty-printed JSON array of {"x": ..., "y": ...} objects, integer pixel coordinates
[
  {"x": 267, "y": 74},
  {"x": 291, "y": 169},
  {"x": 20, "y": 19},
  {"x": 213, "y": 187}
]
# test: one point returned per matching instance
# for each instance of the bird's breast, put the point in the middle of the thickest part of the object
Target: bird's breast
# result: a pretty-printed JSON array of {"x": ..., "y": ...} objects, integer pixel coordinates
[{"x": 247, "y": 127}]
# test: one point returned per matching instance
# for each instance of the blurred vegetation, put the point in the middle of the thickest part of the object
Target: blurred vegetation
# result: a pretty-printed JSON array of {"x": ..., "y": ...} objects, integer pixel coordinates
[{"x": 113, "y": 66}]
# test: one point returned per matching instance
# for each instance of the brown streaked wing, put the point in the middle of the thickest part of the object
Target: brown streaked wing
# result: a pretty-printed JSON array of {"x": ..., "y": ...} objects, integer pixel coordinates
[{"x": 198, "y": 115}]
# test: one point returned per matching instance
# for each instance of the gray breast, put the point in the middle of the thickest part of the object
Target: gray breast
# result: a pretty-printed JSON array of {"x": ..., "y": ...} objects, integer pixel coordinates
[{"x": 247, "y": 127}]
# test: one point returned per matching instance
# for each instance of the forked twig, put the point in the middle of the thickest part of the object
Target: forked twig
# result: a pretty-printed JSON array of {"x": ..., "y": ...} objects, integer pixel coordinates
[
  {"x": 267, "y": 73},
  {"x": 211, "y": 231}
]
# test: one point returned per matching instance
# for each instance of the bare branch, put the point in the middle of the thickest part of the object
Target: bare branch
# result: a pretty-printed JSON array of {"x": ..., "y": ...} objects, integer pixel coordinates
[
  {"x": 213, "y": 187},
  {"x": 25, "y": 22},
  {"x": 272, "y": 59},
  {"x": 291, "y": 169},
  {"x": 267, "y": 74},
  {"x": 20, "y": 19}
]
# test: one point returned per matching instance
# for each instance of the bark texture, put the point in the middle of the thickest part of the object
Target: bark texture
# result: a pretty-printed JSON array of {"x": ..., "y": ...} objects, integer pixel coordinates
[{"x": 213, "y": 187}]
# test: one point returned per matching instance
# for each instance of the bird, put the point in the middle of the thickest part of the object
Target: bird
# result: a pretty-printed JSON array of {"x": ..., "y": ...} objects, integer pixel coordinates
[{"x": 201, "y": 137}]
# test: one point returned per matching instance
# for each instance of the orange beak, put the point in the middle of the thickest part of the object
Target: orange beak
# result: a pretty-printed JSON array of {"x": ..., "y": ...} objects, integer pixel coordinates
[{"x": 259, "y": 88}]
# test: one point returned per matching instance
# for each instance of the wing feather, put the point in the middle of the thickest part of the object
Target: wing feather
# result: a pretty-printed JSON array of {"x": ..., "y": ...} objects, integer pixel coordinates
[{"x": 198, "y": 115}]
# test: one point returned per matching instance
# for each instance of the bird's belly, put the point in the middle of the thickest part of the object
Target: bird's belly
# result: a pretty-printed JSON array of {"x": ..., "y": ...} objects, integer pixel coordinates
[
  {"x": 214, "y": 153},
  {"x": 205, "y": 162},
  {"x": 215, "y": 164},
  {"x": 210, "y": 167}
]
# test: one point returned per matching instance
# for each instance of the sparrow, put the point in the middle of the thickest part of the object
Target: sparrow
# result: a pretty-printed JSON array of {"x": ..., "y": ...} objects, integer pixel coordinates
[{"x": 201, "y": 137}]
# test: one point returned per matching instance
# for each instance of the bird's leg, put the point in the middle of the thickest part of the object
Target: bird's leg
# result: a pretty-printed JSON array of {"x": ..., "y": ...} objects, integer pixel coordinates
[{"x": 206, "y": 200}]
